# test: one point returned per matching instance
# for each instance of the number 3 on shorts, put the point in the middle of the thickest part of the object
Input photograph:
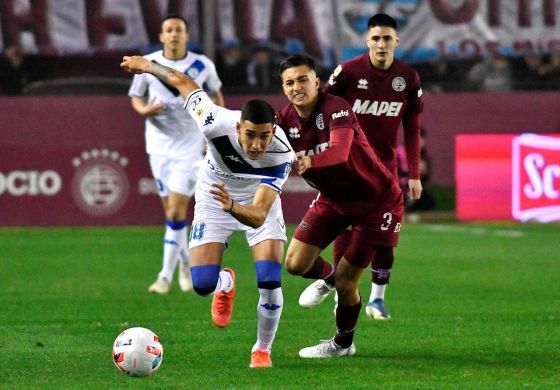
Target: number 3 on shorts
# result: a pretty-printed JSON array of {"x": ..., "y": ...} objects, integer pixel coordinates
[{"x": 388, "y": 218}]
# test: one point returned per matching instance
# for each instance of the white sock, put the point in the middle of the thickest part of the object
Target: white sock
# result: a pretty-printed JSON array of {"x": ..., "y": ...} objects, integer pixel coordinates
[
  {"x": 225, "y": 282},
  {"x": 269, "y": 310},
  {"x": 172, "y": 242},
  {"x": 377, "y": 291}
]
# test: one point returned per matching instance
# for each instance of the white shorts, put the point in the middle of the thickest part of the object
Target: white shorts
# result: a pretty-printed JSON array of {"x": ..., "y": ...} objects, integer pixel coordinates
[
  {"x": 212, "y": 224},
  {"x": 175, "y": 174}
]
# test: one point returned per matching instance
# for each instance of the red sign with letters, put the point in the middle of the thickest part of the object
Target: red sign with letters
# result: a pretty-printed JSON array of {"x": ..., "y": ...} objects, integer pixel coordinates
[{"x": 504, "y": 177}]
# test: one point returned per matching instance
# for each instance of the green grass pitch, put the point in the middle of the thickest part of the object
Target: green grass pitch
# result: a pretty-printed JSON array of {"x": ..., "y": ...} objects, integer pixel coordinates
[{"x": 473, "y": 305}]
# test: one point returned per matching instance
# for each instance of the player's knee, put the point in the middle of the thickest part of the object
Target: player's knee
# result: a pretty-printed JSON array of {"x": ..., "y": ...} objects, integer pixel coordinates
[
  {"x": 269, "y": 274},
  {"x": 176, "y": 215},
  {"x": 205, "y": 278},
  {"x": 294, "y": 266},
  {"x": 345, "y": 288}
]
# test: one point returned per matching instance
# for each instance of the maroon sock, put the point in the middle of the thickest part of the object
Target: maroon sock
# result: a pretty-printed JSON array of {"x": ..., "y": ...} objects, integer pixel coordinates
[
  {"x": 346, "y": 319},
  {"x": 321, "y": 269},
  {"x": 382, "y": 264}
]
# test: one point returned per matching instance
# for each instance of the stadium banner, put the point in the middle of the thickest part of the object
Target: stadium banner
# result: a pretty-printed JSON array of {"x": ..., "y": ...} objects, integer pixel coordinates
[
  {"x": 508, "y": 177},
  {"x": 107, "y": 185},
  {"x": 81, "y": 160},
  {"x": 333, "y": 30}
]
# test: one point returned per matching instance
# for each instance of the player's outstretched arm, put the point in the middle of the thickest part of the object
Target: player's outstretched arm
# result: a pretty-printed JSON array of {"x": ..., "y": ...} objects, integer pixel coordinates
[{"x": 172, "y": 77}]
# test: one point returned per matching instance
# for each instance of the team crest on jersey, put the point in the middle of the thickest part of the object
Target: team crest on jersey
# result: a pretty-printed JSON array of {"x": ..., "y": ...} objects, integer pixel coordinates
[
  {"x": 294, "y": 132},
  {"x": 193, "y": 73},
  {"x": 362, "y": 84},
  {"x": 320, "y": 122},
  {"x": 398, "y": 84}
]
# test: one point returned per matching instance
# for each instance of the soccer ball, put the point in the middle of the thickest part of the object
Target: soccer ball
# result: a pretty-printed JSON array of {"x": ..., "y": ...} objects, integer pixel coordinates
[{"x": 137, "y": 352}]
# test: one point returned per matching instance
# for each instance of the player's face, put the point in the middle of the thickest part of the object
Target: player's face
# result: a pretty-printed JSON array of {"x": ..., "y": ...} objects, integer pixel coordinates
[
  {"x": 382, "y": 42},
  {"x": 300, "y": 85},
  {"x": 254, "y": 138},
  {"x": 174, "y": 35}
]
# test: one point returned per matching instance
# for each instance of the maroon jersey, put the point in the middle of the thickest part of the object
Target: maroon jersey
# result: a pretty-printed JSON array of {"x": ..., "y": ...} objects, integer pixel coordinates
[
  {"x": 362, "y": 176},
  {"x": 382, "y": 99}
]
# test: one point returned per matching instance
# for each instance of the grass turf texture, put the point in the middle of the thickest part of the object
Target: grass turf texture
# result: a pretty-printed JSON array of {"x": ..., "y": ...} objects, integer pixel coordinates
[{"x": 474, "y": 306}]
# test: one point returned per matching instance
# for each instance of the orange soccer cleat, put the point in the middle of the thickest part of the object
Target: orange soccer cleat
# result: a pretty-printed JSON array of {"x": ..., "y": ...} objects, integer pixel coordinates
[
  {"x": 222, "y": 304},
  {"x": 260, "y": 359}
]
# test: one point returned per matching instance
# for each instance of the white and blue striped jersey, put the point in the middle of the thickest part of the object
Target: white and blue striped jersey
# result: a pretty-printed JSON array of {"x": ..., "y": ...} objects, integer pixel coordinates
[
  {"x": 225, "y": 159},
  {"x": 173, "y": 133}
]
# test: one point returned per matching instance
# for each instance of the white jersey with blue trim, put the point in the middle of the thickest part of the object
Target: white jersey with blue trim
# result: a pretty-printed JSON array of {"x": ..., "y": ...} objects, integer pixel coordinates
[
  {"x": 173, "y": 133},
  {"x": 225, "y": 159}
]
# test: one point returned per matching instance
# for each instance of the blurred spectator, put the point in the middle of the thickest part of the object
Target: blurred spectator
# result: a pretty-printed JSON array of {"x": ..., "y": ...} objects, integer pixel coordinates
[
  {"x": 492, "y": 74},
  {"x": 550, "y": 71},
  {"x": 231, "y": 65},
  {"x": 17, "y": 69},
  {"x": 262, "y": 70},
  {"x": 438, "y": 76},
  {"x": 526, "y": 74},
  {"x": 426, "y": 201}
]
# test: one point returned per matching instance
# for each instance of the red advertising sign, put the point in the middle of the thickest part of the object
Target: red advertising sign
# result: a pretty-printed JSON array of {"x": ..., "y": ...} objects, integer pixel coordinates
[
  {"x": 536, "y": 178},
  {"x": 505, "y": 177}
]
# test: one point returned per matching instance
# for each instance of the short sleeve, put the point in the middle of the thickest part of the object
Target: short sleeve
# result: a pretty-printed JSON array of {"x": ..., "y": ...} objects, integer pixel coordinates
[
  {"x": 139, "y": 86},
  {"x": 212, "y": 120}
]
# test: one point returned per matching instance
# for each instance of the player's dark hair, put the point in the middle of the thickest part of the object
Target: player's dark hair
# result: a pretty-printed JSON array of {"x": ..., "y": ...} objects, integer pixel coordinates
[
  {"x": 175, "y": 16},
  {"x": 296, "y": 60},
  {"x": 257, "y": 111},
  {"x": 382, "y": 20}
]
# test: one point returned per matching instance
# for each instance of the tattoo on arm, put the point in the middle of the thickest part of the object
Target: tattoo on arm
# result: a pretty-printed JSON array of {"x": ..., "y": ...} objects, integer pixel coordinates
[{"x": 161, "y": 72}]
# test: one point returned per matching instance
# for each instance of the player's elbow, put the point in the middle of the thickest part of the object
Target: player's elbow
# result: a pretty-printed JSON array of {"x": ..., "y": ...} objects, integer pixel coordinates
[
  {"x": 258, "y": 218},
  {"x": 257, "y": 222}
]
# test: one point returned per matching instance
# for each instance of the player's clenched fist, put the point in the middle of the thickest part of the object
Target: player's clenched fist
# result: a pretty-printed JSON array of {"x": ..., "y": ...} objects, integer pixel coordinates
[
  {"x": 135, "y": 64},
  {"x": 302, "y": 164}
]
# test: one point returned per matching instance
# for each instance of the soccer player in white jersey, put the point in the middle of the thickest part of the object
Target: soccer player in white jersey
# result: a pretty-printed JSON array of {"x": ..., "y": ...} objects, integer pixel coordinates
[
  {"x": 173, "y": 142},
  {"x": 247, "y": 162}
]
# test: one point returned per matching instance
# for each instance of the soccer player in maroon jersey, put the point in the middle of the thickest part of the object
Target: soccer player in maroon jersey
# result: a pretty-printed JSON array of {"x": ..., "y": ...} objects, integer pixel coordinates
[
  {"x": 355, "y": 189},
  {"x": 383, "y": 92}
]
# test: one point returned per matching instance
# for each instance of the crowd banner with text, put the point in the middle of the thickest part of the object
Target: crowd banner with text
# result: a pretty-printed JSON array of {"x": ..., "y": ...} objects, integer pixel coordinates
[{"x": 332, "y": 30}]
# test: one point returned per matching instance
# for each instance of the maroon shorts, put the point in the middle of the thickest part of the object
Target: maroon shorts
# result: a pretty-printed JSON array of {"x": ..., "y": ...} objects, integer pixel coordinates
[{"x": 371, "y": 226}]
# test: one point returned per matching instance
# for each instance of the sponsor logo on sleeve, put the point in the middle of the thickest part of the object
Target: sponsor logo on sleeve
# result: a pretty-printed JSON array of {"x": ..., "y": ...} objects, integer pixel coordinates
[
  {"x": 340, "y": 114},
  {"x": 209, "y": 119}
]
